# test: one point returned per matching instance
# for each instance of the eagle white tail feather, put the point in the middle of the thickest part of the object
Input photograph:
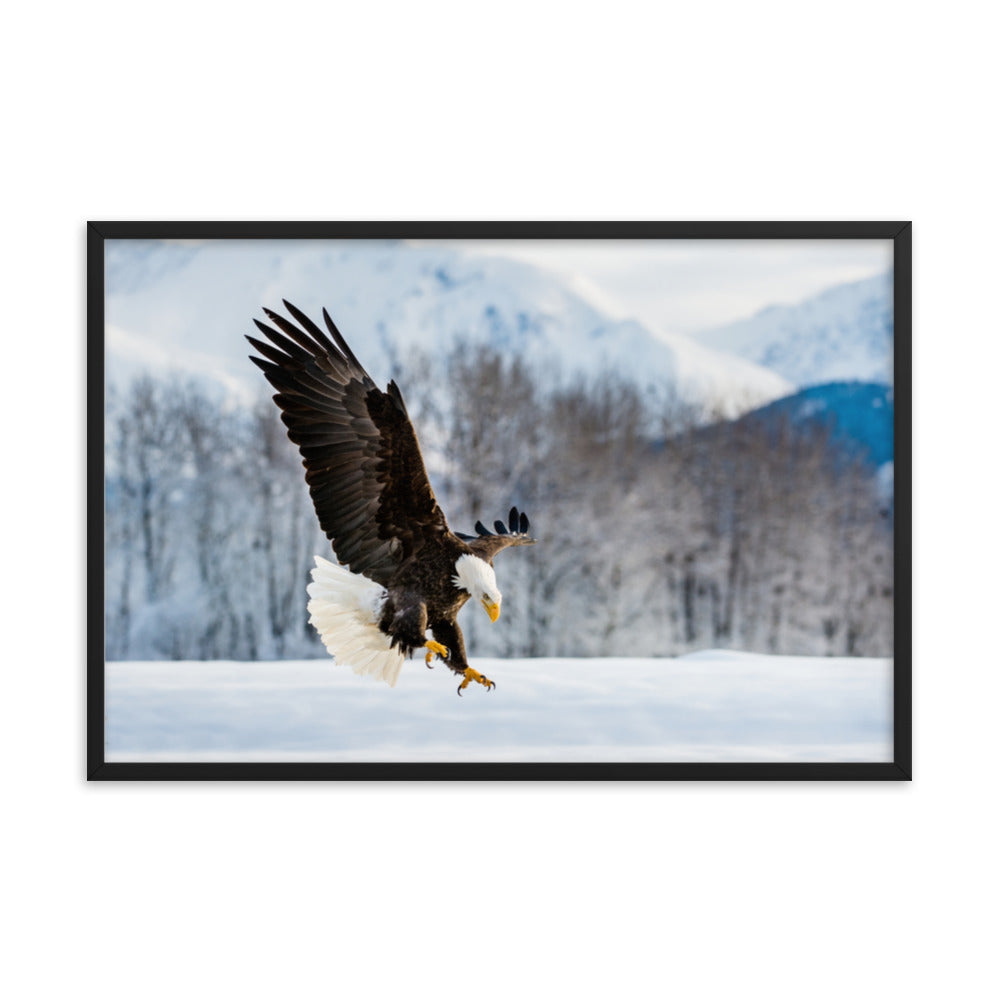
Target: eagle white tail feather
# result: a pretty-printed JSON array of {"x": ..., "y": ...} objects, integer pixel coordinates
[{"x": 345, "y": 608}]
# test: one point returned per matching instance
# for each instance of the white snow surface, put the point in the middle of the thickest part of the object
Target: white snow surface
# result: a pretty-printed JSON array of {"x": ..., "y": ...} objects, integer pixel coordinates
[
  {"x": 173, "y": 307},
  {"x": 709, "y": 706}
]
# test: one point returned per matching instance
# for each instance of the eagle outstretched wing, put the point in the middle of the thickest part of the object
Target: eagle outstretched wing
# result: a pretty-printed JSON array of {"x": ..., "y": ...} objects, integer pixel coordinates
[
  {"x": 486, "y": 544},
  {"x": 363, "y": 465}
]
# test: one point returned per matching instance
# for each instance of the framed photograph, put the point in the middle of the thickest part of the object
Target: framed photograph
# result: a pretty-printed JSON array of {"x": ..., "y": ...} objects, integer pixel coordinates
[{"x": 310, "y": 446}]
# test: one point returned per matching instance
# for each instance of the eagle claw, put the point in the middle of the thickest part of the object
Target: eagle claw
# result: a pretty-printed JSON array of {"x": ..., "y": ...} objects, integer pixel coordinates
[
  {"x": 432, "y": 648},
  {"x": 475, "y": 675}
]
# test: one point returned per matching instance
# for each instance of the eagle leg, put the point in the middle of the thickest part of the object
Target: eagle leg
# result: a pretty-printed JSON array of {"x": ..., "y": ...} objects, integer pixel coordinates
[
  {"x": 432, "y": 648},
  {"x": 475, "y": 675}
]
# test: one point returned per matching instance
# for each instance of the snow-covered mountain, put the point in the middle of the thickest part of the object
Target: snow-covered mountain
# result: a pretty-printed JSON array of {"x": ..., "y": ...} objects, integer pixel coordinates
[
  {"x": 185, "y": 308},
  {"x": 844, "y": 333}
]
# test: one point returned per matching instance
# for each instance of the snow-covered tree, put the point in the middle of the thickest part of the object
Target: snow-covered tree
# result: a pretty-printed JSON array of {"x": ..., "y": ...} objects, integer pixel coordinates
[{"x": 660, "y": 530}]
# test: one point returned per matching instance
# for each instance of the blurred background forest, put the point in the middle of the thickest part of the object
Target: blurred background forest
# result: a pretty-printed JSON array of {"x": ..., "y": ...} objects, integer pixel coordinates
[
  {"x": 660, "y": 532},
  {"x": 667, "y": 521}
]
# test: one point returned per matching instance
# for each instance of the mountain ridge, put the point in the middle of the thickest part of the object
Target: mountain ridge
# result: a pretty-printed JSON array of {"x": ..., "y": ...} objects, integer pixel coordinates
[
  {"x": 840, "y": 334},
  {"x": 192, "y": 304}
]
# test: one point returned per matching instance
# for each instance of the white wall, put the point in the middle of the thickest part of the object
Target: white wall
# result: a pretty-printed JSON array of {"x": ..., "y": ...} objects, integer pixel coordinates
[{"x": 305, "y": 111}]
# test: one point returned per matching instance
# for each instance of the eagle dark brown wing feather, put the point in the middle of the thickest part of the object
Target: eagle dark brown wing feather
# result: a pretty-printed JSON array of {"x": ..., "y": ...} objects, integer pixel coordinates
[
  {"x": 363, "y": 465},
  {"x": 486, "y": 544}
]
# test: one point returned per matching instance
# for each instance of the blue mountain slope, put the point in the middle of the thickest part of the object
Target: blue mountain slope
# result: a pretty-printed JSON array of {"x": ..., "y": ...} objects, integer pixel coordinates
[{"x": 858, "y": 416}]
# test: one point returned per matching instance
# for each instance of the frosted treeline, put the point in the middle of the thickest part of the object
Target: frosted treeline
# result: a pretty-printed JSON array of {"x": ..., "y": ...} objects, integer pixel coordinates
[{"x": 659, "y": 531}]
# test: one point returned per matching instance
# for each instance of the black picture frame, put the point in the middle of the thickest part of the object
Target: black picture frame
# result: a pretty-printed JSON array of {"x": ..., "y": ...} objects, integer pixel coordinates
[{"x": 900, "y": 768}]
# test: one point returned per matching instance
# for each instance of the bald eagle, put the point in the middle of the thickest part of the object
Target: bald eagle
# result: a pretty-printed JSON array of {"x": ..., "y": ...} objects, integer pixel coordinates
[{"x": 401, "y": 570}]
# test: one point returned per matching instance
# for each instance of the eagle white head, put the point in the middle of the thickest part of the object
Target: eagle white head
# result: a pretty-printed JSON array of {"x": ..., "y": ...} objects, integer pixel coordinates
[{"x": 476, "y": 576}]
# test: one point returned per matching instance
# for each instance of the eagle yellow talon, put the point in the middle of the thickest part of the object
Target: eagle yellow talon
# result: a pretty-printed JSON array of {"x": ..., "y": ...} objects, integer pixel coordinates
[
  {"x": 432, "y": 648},
  {"x": 475, "y": 675}
]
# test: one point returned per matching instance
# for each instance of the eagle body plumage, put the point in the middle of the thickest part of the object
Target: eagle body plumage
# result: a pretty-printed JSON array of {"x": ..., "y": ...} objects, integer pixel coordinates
[{"x": 402, "y": 571}]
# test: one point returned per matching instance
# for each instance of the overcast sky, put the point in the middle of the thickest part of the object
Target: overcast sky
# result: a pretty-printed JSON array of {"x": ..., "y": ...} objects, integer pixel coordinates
[{"x": 683, "y": 286}]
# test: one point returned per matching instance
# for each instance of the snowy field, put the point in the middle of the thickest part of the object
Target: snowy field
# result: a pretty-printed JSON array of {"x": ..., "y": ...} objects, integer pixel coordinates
[{"x": 709, "y": 706}]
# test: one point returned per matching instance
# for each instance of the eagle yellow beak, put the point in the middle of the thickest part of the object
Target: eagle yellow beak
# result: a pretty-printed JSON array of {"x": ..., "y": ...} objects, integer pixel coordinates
[{"x": 493, "y": 610}]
